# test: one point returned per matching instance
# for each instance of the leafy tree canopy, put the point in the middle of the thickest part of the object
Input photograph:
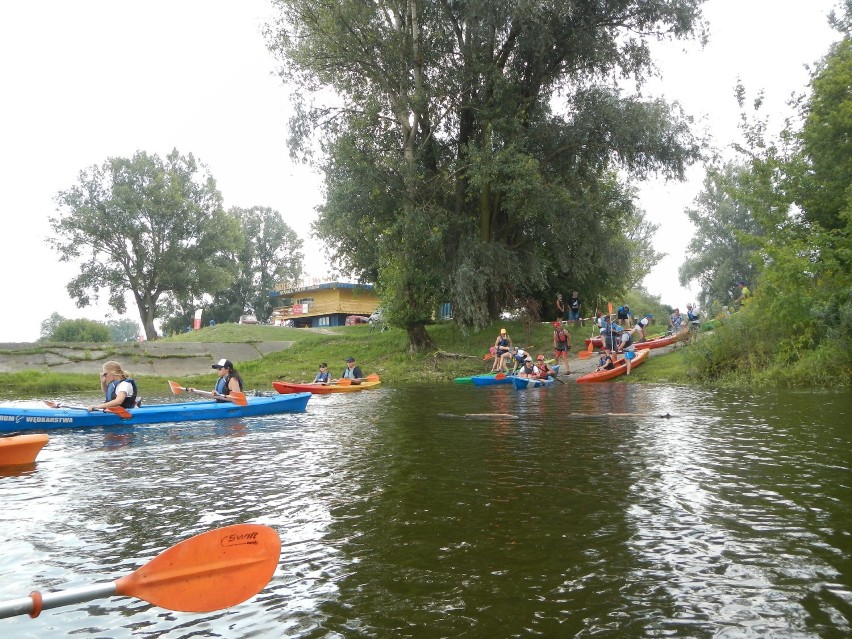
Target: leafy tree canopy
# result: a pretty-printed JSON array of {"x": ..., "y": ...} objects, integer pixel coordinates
[
  {"x": 123, "y": 330},
  {"x": 145, "y": 226},
  {"x": 470, "y": 148},
  {"x": 270, "y": 253},
  {"x": 80, "y": 330}
]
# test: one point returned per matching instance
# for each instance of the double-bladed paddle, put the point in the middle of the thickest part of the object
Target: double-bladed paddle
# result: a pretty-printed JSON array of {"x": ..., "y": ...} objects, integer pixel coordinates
[
  {"x": 211, "y": 571},
  {"x": 238, "y": 397},
  {"x": 346, "y": 381},
  {"x": 117, "y": 410}
]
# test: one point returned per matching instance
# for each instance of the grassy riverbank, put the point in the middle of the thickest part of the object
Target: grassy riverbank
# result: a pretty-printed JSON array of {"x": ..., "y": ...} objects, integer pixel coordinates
[{"x": 456, "y": 353}]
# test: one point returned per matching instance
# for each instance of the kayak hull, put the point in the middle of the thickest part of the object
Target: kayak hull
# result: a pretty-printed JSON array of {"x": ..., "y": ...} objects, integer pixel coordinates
[
  {"x": 522, "y": 383},
  {"x": 322, "y": 389},
  {"x": 489, "y": 379},
  {"x": 15, "y": 418},
  {"x": 21, "y": 449},
  {"x": 657, "y": 342},
  {"x": 620, "y": 369}
]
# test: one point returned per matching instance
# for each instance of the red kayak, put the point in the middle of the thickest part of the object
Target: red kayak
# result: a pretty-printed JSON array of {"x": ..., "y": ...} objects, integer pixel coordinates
[
  {"x": 619, "y": 369},
  {"x": 326, "y": 389},
  {"x": 20, "y": 449},
  {"x": 657, "y": 342}
]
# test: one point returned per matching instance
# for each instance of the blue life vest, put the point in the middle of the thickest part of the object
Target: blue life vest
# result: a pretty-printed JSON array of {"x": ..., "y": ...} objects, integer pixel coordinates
[
  {"x": 222, "y": 385},
  {"x": 130, "y": 400}
]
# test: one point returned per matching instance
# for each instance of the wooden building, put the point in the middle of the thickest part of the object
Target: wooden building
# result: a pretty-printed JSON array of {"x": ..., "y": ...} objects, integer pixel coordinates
[{"x": 319, "y": 305}]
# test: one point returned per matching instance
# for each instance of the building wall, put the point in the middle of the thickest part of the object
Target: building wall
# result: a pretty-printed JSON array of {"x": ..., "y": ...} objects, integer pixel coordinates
[{"x": 327, "y": 304}]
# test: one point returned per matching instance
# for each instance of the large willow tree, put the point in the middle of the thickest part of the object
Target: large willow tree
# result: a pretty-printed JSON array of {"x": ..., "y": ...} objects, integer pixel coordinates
[{"x": 475, "y": 151}]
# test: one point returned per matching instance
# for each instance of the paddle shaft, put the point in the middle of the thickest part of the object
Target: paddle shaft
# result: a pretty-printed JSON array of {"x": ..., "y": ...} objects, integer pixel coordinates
[{"x": 28, "y": 605}]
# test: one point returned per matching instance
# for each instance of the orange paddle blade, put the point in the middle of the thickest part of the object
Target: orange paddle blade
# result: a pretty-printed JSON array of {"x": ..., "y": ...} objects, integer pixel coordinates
[
  {"x": 177, "y": 389},
  {"x": 118, "y": 410},
  {"x": 211, "y": 571},
  {"x": 239, "y": 398},
  {"x": 344, "y": 382},
  {"x": 609, "y": 307},
  {"x": 372, "y": 378},
  {"x": 585, "y": 354},
  {"x": 488, "y": 356}
]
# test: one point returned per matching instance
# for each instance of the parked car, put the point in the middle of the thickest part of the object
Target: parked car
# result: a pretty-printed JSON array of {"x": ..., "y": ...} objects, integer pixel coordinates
[
  {"x": 356, "y": 319},
  {"x": 248, "y": 318}
]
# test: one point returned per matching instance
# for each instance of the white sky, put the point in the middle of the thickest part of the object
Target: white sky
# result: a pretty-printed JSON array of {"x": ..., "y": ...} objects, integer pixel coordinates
[{"x": 86, "y": 80}]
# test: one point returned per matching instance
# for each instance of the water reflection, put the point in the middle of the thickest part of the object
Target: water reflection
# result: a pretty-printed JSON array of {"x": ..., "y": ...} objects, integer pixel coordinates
[{"x": 422, "y": 512}]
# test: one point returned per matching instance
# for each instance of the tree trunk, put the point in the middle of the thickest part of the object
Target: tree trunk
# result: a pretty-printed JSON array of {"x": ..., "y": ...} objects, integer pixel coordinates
[{"x": 418, "y": 338}]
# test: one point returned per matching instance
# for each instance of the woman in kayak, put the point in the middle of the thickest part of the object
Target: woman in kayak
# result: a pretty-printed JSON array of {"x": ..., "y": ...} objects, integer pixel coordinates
[
  {"x": 118, "y": 388},
  {"x": 229, "y": 380}
]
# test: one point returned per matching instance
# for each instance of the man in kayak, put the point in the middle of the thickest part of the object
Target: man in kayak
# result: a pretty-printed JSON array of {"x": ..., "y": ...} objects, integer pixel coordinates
[
  {"x": 528, "y": 371},
  {"x": 544, "y": 370},
  {"x": 229, "y": 381},
  {"x": 352, "y": 371},
  {"x": 605, "y": 363},
  {"x": 118, "y": 388}
]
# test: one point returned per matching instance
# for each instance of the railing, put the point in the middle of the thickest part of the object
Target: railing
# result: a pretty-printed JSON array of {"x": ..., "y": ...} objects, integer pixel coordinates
[{"x": 351, "y": 307}]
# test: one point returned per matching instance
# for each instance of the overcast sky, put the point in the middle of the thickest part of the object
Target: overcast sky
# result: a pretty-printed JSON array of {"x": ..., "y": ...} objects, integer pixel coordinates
[{"x": 86, "y": 80}]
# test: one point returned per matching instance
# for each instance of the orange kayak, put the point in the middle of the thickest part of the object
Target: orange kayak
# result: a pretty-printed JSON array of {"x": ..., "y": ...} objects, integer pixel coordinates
[
  {"x": 20, "y": 449},
  {"x": 620, "y": 369},
  {"x": 323, "y": 389}
]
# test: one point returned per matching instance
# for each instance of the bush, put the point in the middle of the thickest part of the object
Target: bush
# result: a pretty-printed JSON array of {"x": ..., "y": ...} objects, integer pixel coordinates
[{"x": 80, "y": 330}]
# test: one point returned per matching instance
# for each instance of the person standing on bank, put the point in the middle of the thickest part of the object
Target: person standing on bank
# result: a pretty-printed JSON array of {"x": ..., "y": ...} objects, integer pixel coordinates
[
  {"x": 561, "y": 345},
  {"x": 118, "y": 388},
  {"x": 502, "y": 348},
  {"x": 560, "y": 308},
  {"x": 229, "y": 381},
  {"x": 574, "y": 307},
  {"x": 352, "y": 371}
]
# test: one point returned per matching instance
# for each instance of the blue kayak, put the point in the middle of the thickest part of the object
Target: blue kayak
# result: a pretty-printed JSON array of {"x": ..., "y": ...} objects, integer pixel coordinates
[
  {"x": 19, "y": 418},
  {"x": 491, "y": 379},
  {"x": 522, "y": 382}
]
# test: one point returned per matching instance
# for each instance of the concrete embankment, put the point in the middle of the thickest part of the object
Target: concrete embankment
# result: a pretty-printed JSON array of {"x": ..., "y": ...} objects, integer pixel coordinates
[{"x": 147, "y": 358}]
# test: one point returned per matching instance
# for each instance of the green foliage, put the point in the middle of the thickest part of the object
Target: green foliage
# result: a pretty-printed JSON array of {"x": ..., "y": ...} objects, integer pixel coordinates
[
  {"x": 80, "y": 330},
  {"x": 49, "y": 325},
  {"x": 123, "y": 330},
  {"x": 719, "y": 254},
  {"x": 269, "y": 253},
  {"x": 822, "y": 183},
  {"x": 446, "y": 111},
  {"x": 147, "y": 226},
  {"x": 792, "y": 199}
]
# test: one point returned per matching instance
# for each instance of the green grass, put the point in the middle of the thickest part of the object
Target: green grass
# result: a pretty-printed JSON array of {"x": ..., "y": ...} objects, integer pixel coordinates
[{"x": 456, "y": 353}]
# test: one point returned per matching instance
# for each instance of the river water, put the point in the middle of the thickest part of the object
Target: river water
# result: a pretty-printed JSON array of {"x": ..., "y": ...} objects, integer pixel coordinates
[{"x": 421, "y": 512}]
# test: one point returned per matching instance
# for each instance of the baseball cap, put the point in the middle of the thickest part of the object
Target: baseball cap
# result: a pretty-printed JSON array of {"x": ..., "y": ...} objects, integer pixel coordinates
[
  {"x": 350, "y": 359},
  {"x": 502, "y": 330},
  {"x": 223, "y": 363},
  {"x": 540, "y": 357}
]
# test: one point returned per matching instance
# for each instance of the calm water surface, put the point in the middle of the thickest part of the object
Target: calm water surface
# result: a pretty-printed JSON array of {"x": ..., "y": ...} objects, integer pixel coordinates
[{"x": 408, "y": 513}]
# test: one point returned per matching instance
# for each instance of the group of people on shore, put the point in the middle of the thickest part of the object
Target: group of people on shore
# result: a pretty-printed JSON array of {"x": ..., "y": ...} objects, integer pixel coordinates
[{"x": 508, "y": 356}]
